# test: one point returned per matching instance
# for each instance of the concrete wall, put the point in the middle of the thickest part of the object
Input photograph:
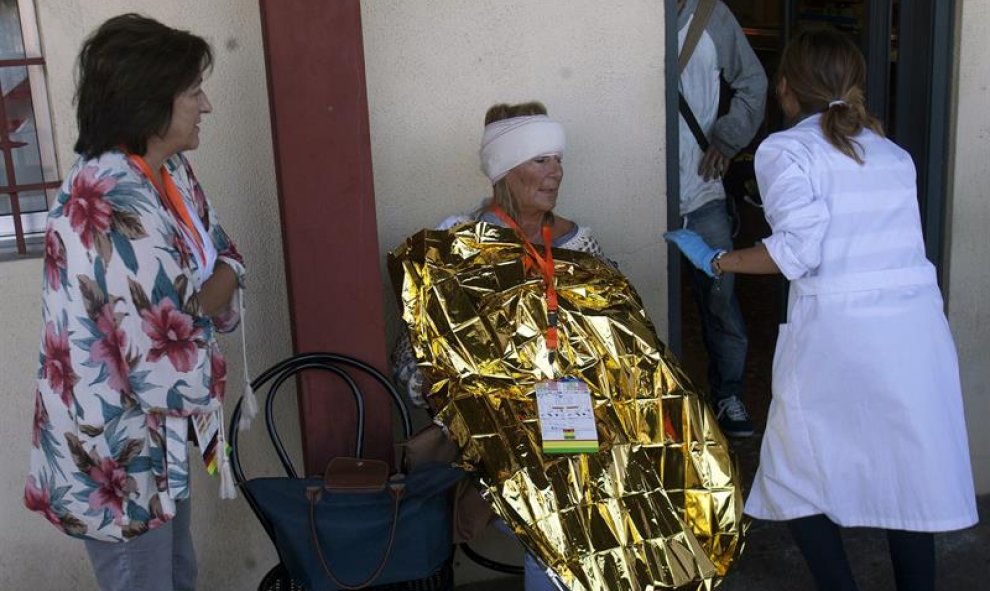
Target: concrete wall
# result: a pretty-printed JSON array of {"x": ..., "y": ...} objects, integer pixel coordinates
[
  {"x": 235, "y": 165},
  {"x": 969, "y": 219},
  {"x": 435, "y": 66}
]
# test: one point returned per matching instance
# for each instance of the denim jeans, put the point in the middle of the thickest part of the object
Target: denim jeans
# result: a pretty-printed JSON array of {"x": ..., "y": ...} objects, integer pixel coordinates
[
  {"x": 722, "y": 326},
  {"x": 534, "y": 576},
  {"x": 162, "y": 559}
]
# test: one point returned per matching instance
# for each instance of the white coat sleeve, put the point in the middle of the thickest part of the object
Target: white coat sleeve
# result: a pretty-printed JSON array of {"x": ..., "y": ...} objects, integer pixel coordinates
[{"x": 797, "y": 216}]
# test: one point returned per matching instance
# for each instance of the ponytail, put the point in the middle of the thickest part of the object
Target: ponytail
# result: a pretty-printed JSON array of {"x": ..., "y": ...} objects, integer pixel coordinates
[
  {"x": 844, "y": 118},
  {"x": 826, "y": 72}
]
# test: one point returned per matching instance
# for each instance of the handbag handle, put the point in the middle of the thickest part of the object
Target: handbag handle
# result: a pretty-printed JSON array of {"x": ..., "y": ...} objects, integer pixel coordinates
[
  {"x": 276, "y": 439},
  {"x": 280, "y": 372},
  {"x": 291, "y": 366},
  {"x": 315, "y": 493}
]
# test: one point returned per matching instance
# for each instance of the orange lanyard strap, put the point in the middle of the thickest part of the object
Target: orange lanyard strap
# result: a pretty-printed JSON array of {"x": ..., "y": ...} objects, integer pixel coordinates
[
  {"x": 545, "y": 265},
  {"x": 172, "y": 200}
]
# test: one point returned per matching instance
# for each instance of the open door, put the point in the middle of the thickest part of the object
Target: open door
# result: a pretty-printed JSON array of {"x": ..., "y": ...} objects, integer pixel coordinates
[{"x": 907, "y": 44}]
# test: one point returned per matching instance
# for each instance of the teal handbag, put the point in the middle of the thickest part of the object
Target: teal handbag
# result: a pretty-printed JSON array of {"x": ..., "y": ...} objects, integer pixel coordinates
[
  {"x": 358, "y": 525},
  {"x": 331, "y": 539}
]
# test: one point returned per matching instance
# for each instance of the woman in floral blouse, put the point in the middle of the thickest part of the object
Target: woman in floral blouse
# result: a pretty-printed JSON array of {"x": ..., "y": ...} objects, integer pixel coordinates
[{"x": 138, "y": 277}]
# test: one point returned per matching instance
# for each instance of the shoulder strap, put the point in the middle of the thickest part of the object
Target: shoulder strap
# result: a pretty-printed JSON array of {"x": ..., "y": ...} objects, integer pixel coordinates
[{"x": 701, "y": 15}]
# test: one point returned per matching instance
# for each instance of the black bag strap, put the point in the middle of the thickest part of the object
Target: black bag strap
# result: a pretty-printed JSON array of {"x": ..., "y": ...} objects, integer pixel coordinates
[
  {"x": 692, "y": 121},
  {"x": 282, "y": 371},
  {"x": 701, "y": 16}
]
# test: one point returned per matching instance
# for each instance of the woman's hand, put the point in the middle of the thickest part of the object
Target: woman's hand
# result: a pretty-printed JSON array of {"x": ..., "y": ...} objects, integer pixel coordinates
[
  {"x": 214, "y": 296},
  {"x": 694, "y": 248}
]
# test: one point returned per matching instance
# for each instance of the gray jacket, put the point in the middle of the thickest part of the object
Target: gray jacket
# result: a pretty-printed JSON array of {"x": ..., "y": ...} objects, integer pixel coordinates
[{"x": 723, "y": 49}]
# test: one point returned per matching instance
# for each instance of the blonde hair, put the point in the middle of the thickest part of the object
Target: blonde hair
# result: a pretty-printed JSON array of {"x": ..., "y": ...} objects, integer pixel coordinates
[
  {"x": 500, "y": 191},
  {"x": 826, "y": 73}
]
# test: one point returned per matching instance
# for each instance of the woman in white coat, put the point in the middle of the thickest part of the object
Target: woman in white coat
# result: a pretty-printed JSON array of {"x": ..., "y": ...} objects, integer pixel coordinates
[{"x": 866, "y": 425}]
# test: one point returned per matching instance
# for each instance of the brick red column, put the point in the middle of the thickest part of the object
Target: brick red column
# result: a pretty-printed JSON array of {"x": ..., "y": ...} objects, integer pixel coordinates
[{"x": 319, "y": 112}]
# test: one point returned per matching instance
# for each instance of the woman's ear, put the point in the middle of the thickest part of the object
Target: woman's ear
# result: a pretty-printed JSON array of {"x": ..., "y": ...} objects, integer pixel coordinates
[
  {"x": 788, "y": 102},
  {"x": 781, "y": 87}
]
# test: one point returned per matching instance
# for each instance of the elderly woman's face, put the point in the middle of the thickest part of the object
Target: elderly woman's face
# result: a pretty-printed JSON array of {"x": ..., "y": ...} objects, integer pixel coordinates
[
  {"x": 187, "y": 111},
  {"x": 534, "y": 184}
]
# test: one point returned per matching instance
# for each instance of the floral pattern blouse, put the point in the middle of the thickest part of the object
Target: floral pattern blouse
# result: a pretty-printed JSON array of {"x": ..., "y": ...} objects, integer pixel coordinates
[{"x": 126, "y": 355}]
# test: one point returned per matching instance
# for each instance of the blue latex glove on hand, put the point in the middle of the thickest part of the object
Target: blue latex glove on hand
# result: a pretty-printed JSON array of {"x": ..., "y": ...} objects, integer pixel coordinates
[{"x": 694, "y": 248}]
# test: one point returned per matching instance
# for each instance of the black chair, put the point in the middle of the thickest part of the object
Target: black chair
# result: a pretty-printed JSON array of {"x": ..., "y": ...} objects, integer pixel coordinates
[{"x": 278, "y": 579}]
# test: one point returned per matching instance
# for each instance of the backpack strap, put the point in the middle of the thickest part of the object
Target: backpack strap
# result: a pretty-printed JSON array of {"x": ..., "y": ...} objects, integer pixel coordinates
[{"x": 701, "y": 15}]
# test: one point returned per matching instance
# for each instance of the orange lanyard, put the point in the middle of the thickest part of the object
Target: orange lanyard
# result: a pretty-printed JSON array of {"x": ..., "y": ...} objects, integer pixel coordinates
[
  {"x": 545, "y": 265},
  {"x": 172, "y": 200}
]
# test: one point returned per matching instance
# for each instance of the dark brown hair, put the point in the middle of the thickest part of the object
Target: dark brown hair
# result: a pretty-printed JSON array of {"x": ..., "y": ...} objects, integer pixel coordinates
[
  {"x": 500, "y": 191},
  {"x": 822, "y": 66},
  {"x": 129, "y": 72},
  {"x": 506, "y": 111}
]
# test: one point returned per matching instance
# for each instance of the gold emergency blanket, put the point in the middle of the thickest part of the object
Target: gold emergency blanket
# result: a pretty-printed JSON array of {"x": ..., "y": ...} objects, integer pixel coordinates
[{"x": 659, "y": 505}]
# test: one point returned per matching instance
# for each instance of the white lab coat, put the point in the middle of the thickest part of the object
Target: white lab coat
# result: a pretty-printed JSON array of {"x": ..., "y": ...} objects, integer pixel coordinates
[{"x": 866, "y": 423}]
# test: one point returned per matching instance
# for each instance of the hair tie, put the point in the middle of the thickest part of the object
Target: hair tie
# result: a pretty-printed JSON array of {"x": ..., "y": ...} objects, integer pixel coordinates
[{"x": 837, "y": 102}]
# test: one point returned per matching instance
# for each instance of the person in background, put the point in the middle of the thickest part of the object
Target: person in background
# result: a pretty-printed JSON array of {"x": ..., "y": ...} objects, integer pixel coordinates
[
  {"x": 866, "y": 425},
  {"x": 722, "y": 51},
  {"x": 522, "y": 154},
  {"x": 138, "y": 278}
]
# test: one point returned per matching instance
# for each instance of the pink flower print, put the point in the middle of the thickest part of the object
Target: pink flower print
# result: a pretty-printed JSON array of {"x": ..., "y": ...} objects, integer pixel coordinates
[
  {"x": 54, "y": 259},
  {"x": 40, "y": 419},
  {"x": 110, "y": 350},
  {"x": 57, "y": 368},
  {"x": 111, "y": 486},
  {"x": 218, "y": 374},
  {"x": 172, "y": 335},
  {"x": 37, "y": 499},
  {"x": 153, "y": 421},
  {"x": 88, "y": 212}
]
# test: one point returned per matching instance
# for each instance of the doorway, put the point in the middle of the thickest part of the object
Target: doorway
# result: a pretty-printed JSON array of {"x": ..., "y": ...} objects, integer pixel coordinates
[{"x": 907, "y": 44}]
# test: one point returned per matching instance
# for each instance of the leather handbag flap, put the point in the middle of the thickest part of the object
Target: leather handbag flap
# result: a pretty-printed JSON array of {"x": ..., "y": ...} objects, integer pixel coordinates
[{"x": 355, "y": 475}]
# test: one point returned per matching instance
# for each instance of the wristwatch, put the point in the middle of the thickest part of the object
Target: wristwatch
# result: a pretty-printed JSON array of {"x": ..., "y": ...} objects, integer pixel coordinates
[{"x": 717, "y": 268}]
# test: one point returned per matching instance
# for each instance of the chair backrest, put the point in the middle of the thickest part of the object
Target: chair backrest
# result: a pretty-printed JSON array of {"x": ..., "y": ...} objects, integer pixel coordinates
[{"x": 275, "y": 376}]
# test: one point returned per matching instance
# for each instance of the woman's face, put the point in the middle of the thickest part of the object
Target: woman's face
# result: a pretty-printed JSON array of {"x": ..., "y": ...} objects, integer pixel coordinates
[
  {"x": 534, "y": 184},
  {"x": 188, "y": 108}
]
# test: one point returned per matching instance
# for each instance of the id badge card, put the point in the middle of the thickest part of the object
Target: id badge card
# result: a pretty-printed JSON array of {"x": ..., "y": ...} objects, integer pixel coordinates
[{"x": 567, "y": 417}]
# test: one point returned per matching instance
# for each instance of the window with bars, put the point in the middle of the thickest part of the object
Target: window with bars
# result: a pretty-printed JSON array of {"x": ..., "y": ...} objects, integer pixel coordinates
[{"x": 29, "y": 177}]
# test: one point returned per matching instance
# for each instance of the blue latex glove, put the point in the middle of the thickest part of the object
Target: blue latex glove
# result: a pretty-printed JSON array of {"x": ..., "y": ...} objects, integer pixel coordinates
[{"x": 694, "y": 248}]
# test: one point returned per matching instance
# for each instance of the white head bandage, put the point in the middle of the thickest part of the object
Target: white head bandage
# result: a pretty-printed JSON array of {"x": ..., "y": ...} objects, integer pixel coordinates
[{"x": 508, "y": 143}]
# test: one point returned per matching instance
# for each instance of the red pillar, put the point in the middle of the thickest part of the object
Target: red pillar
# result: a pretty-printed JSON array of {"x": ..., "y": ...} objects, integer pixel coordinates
[{"x": 319, "y": 113}]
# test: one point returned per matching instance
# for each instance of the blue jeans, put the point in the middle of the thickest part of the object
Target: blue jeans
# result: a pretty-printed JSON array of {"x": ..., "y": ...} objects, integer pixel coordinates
[
  {"x": 162, "y": 559},
  {"x": 722, "y": 326},
  {"x": 534, "y": 576}
]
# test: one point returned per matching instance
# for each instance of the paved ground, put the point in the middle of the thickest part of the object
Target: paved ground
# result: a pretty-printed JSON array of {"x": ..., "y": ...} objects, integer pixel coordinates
[{"x": 771, "y": 562}]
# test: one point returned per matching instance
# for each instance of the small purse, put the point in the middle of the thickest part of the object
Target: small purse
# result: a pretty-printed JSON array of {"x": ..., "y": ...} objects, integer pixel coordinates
[{"x": 472, "y": 513}]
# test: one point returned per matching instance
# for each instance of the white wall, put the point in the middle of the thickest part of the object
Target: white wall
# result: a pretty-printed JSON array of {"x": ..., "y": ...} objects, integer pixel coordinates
[
  {"x": 435, "y": 66},
  {"x": 235, "y": 165},
  {"x": 969, "y": 246}
]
